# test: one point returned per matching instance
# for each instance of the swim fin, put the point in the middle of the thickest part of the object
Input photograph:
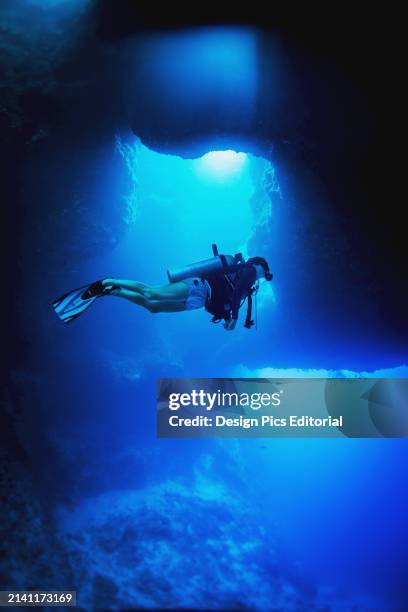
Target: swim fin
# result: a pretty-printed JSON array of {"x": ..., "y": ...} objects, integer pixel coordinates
[
  {"x": 94, "y": 290},
  {"x": 72, "y": 304}
]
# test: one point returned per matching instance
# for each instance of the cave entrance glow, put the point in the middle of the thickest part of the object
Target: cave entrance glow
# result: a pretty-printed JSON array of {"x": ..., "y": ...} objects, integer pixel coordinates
[
  {"x": 221, "y": 165},
  {"x": 179, "y": 207}
]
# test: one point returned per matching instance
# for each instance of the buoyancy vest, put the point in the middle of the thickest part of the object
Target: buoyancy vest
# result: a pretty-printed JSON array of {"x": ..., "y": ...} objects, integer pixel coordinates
[{"x": 229, "y": 291}]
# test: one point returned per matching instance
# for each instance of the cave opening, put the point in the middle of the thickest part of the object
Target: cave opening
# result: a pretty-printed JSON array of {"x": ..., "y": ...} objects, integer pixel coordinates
[{"x": 177, "y": 207}]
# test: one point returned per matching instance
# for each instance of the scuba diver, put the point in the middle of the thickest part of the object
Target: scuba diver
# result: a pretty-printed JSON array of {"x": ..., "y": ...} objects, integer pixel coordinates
[{"x": 221, "y": 285}]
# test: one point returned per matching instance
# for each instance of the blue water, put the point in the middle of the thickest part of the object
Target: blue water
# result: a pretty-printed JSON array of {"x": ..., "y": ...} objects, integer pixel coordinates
[{"x": 248, "y": 524}]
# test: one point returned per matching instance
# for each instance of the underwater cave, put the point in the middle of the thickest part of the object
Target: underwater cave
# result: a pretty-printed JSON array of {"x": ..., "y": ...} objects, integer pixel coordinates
[{"x": 130, "y": 146}]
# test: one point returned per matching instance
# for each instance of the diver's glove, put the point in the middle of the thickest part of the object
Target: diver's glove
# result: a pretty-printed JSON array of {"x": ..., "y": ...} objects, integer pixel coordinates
[{"x": 230, "y": 325}]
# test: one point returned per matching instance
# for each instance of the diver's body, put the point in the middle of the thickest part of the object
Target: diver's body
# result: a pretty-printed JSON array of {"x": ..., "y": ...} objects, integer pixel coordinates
[
  {"x": 221, "y": 289},
  {"x": 193, "y": 293}
]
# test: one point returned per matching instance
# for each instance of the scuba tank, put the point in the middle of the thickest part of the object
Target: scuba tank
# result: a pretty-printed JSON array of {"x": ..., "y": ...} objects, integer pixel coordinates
[{"x": 218, "y": 263}]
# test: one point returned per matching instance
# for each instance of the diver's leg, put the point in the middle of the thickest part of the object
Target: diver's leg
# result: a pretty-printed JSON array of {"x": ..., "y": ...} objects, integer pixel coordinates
[
  {"x": 171, "y": 291},
  {"x": 166, "y": 305},
  {"x": 151, "y": 304},
  {"x": 132, "y": 296},
  {"x": 125, "y": 284}
]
